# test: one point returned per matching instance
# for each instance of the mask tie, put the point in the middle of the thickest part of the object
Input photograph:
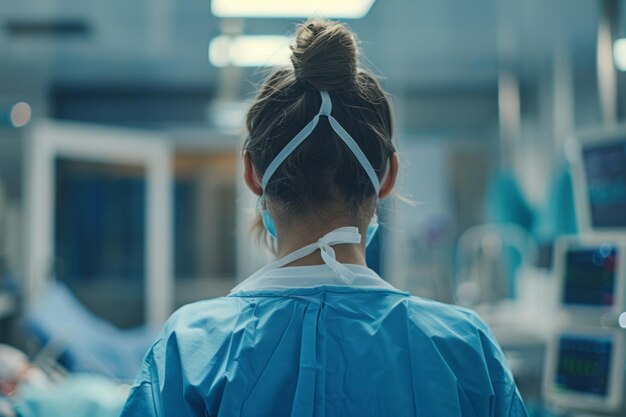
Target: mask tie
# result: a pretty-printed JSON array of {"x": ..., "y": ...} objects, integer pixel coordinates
[{"x": 342, "y": 235}]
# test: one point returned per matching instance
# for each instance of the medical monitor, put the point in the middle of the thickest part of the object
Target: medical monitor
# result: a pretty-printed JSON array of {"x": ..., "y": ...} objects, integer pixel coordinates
[
  {"x": 585, "y": 369},
  {"x": 600, "y": 181},
  {"x": 591, "y": 273}
]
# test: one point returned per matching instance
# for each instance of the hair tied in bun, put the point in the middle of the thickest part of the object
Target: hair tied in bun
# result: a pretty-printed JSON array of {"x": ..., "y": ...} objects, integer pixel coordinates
[{"x": 324, "y": 55}]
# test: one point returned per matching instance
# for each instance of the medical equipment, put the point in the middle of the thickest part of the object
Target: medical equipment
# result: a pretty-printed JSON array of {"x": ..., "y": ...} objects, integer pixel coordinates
[
  {"x": 585, "y": 362},
  {"x": 599, "y": 167},
  {"x": 591, "y": 275},
  {"x": 585, "y": 369},
  {"x": 585, "y": 357}
]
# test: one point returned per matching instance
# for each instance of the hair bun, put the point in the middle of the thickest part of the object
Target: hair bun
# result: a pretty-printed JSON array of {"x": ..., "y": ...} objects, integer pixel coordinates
[{"x": 325, "y": 55}]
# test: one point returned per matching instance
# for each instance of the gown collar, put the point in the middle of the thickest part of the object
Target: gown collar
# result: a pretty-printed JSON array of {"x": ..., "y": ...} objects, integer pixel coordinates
[{"x": 311, "y": 276}]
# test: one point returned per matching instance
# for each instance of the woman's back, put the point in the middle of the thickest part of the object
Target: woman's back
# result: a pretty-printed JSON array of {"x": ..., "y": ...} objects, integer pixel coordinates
[
  {"x": 324, "y": 351},
  {"x": 316, "y": 333}
]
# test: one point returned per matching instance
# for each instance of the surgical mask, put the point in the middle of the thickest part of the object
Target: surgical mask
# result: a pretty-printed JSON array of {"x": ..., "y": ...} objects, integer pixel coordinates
[
  {"x": 372, "y": 228},
  {"x": 325, "y": 110},
  {"x": 268, "y": 222}
]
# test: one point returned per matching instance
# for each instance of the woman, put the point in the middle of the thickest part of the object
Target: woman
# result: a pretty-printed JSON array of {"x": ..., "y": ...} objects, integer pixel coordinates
[{"x": 317, "y": 333}]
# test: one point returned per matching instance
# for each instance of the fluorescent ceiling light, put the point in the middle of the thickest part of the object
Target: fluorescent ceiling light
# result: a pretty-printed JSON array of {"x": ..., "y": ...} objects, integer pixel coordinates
[
  {"x": 619, "y": 54},
  {"x": 349, "y": 9},
  {"x": 250, "y": 51}
]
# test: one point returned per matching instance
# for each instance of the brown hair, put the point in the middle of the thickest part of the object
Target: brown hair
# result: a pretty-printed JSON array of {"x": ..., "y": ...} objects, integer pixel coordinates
[{"x": 322, "y": 169}]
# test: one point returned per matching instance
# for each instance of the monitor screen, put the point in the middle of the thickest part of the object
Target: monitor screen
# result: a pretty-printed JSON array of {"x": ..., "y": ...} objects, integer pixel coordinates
[
  {"x": 605, "y": 168},
  {"x": 583, "y": 364},
  {"x": 589, "y": 276}
]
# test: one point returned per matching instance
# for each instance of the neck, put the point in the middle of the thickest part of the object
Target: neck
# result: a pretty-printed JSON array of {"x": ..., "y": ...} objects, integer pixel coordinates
[{"x": 299, "y": 234}]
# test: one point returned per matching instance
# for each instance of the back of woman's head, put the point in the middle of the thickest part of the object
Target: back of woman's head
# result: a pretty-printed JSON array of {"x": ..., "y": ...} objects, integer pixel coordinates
[{"x": 322, "y": 170}]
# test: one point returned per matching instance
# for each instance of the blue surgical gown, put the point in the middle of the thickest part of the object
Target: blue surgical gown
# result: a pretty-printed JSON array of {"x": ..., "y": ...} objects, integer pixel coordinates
[{"x": 324, "y": 351}]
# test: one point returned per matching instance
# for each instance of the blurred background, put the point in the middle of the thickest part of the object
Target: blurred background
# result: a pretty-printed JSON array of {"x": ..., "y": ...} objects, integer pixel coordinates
[{"x": 121, "y": 198}]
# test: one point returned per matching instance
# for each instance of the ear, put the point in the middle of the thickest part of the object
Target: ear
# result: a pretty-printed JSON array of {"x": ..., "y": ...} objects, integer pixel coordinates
[
  {"x": 389, "y": 181},
  {"x": 250, "y": 176}
]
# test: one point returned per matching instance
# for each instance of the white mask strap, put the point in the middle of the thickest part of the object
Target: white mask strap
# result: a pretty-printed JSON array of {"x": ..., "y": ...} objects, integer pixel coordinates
[{"x": 325, "y": 110}]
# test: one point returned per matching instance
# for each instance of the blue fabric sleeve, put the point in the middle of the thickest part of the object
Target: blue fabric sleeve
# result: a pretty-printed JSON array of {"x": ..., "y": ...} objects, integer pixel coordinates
[
  {"x": 517, "y": 407},
  {"x": 144, "y": 397},
  {"x": 140, "y": 402},
  {"x": 508, "y": 401}
]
